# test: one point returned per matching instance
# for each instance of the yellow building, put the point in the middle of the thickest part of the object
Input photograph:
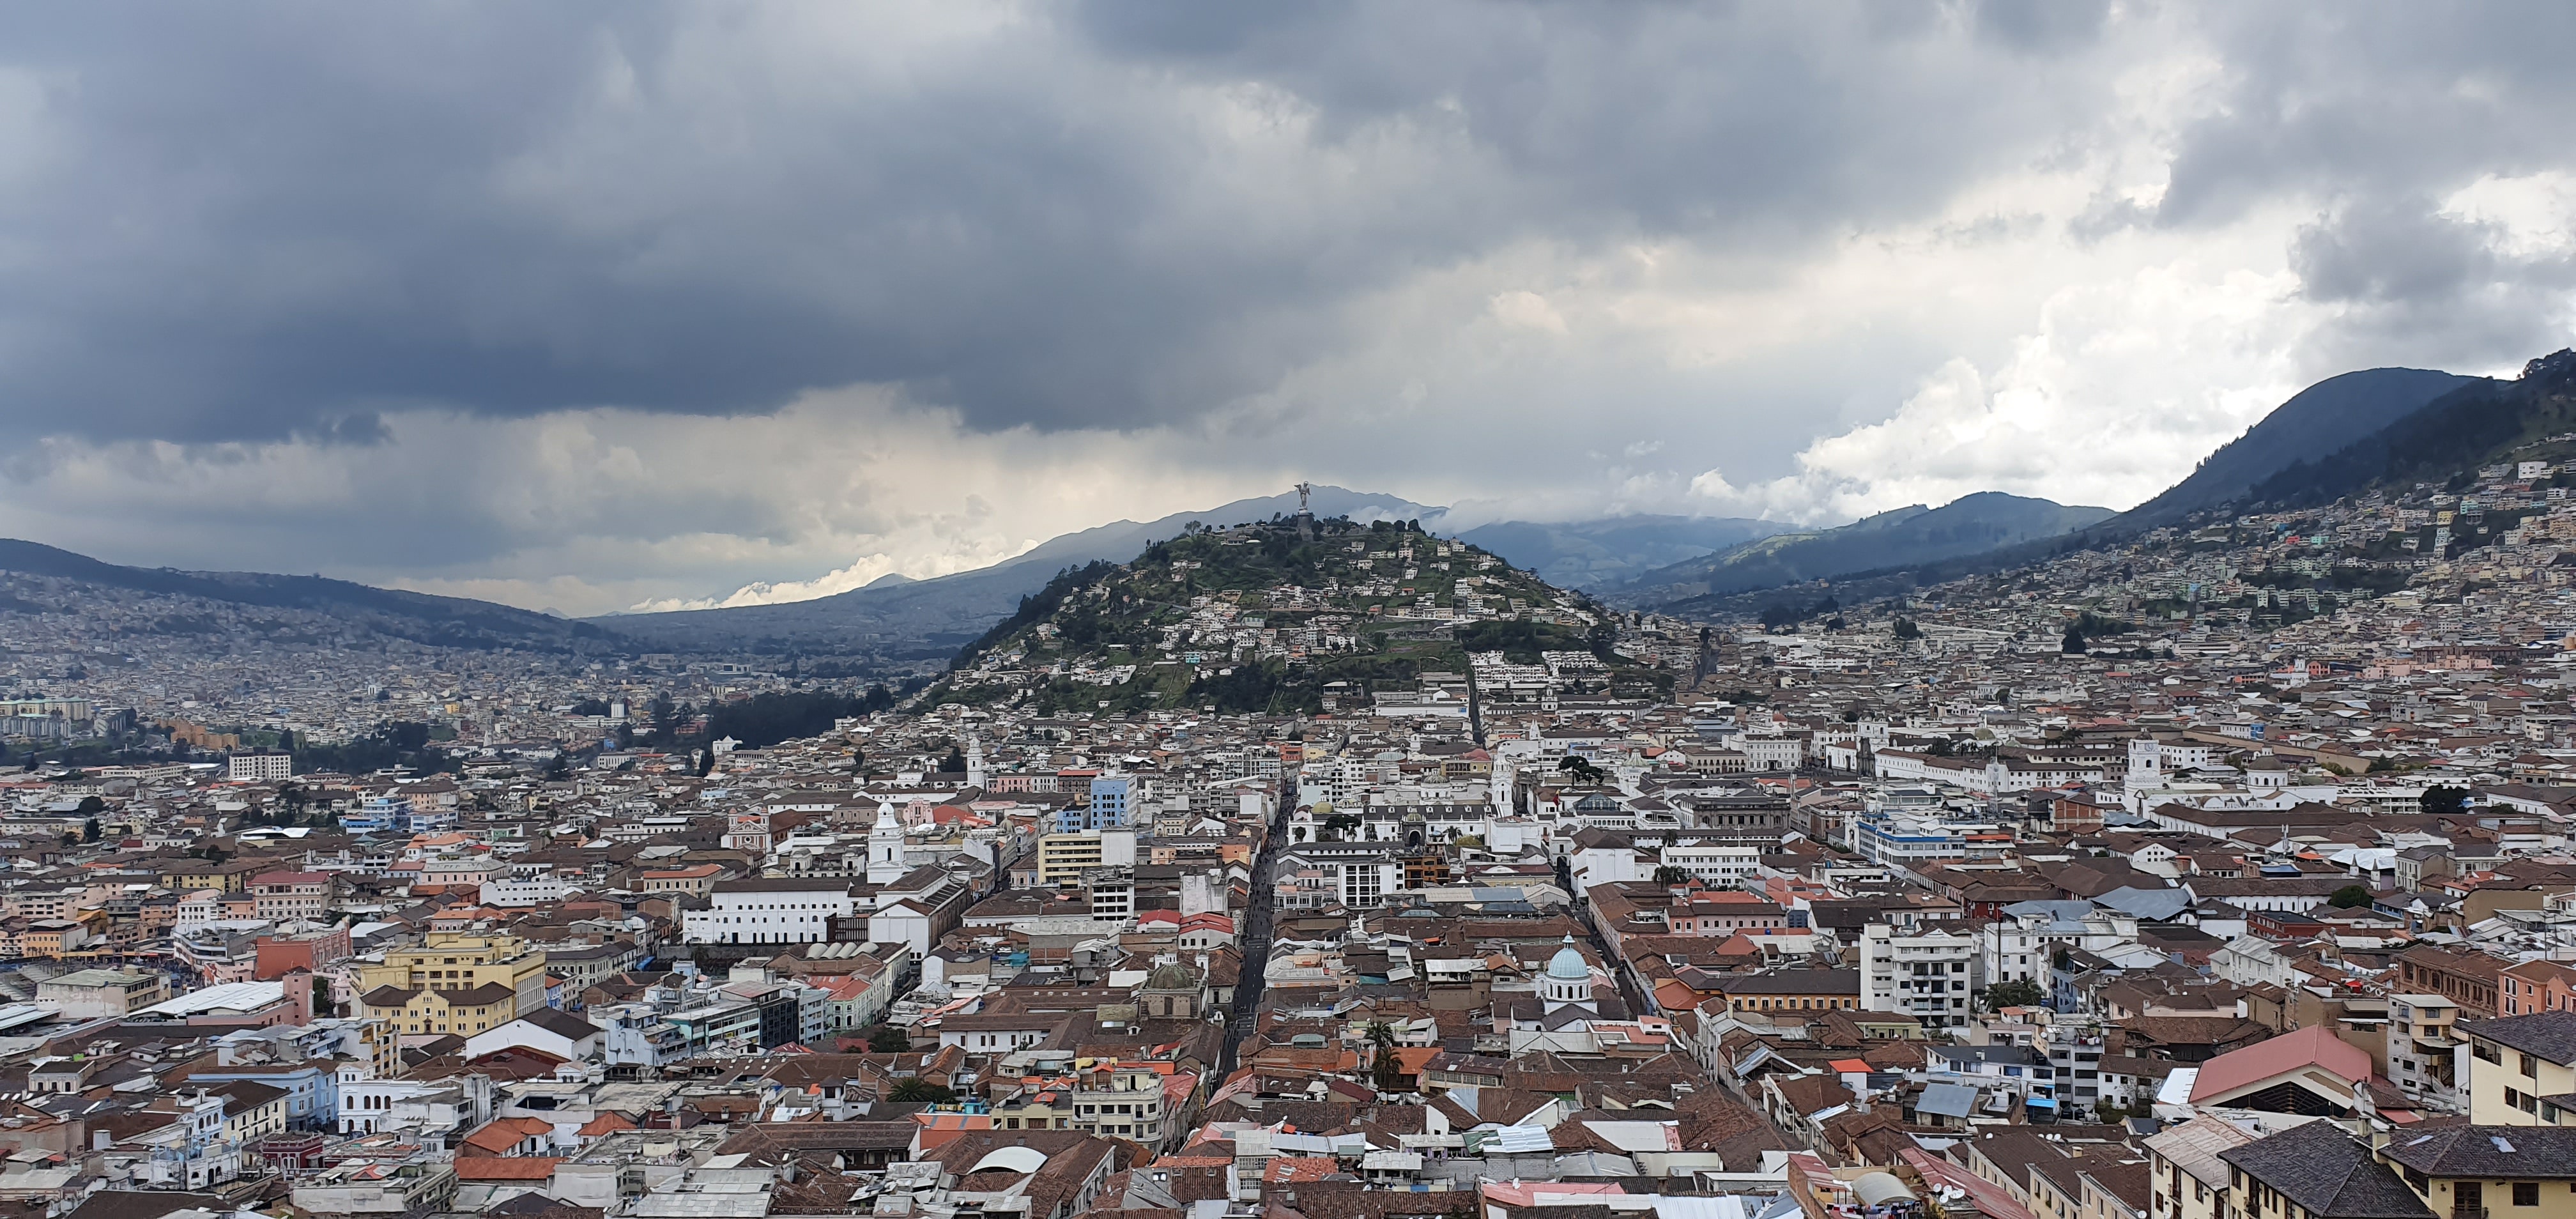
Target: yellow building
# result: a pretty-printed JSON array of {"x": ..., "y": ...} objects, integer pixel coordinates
[
  {"x": 2505, "y": 1172},
  {"x": 433, "y": 1013},
  {"x": 1063, "y": 857},
  {"x": 252, "y": 1110},
  {"x": 454, "y": 963},
  {"x": 2520, "y": 1069}
]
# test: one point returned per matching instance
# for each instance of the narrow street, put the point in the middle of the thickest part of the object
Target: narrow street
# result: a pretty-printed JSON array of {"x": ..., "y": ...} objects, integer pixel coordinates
[
  {"x": 1256, "y": 926},
  {"x": 1618, "y": 968}
]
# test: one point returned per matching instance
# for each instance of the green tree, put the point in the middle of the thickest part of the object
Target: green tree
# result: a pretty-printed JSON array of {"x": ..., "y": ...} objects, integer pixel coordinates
[
  {"x": 889, "y": 1039},
  {"x": 2019, "y": 992},
  {"x": 2440, "y": 799},
  {"x": 1385, "y": 1071},
  {"x": 1670, "y": 875},
  {"x": 2349, "y": 897},
  {"x": 1905, "y": 629},
  {"x": 91, "y": 806},
  {"x": 90, "y": 830},
  {"x": 916, "y": 1088}
]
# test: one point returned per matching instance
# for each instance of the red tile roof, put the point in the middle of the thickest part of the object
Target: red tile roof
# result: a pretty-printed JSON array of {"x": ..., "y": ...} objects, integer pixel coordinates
[
  {"x": 1286, "y": 1170},
  {"x": 2315, "y": 1045}
]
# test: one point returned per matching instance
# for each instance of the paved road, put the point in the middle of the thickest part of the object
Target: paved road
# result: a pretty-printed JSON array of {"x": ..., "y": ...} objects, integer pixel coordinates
[{"x": 1256, "y": 927}]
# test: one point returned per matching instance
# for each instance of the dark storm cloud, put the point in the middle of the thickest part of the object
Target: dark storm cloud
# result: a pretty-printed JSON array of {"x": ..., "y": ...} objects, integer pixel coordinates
[
  {"x": 2374, "y": 100},
  {"x": 246, "y": 222},
  {"x": 2416, "y": 286},
  {"x": 2042, "y": 26}
]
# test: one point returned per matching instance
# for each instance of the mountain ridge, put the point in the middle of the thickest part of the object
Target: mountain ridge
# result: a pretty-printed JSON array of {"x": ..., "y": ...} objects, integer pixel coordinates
[
  {"x": 1972, "y": 524},
  {"x": 424, "y": 618},
  {"x": 2347, "y": 406}
]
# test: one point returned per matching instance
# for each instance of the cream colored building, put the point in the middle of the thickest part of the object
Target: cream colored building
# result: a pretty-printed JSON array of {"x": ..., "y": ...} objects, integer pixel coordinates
[{"x": 2521, "y": 1069}]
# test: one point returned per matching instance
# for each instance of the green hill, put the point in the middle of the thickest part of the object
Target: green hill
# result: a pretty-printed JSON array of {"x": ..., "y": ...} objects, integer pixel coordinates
[
  {"x": 2322, "y": 418},
  {"x": 2530, "y": 418},
  {"x": 1262, "y": 618}
]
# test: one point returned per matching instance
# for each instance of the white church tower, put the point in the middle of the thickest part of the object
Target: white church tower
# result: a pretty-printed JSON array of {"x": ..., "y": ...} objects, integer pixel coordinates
[
  {"x": 975, "y": 775},
  {"x": 885, "y": 848},
  {"x": 2146, "y": 764}
]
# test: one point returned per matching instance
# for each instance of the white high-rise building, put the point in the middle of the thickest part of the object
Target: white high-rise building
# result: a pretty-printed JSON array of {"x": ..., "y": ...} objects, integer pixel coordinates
[{"x": 1930, "y": 975}]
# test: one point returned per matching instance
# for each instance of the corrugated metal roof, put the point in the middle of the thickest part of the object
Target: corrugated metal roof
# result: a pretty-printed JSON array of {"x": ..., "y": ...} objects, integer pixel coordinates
[{"x": 1947, "y": 1100}]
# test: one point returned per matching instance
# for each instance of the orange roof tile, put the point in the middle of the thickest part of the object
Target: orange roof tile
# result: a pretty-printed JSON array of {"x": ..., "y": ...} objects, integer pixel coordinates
[{"x": 1287, "y": 1170}]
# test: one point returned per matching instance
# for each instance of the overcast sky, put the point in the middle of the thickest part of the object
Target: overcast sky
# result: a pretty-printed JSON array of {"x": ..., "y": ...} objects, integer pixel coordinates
[{"x": 589, "y": 307}]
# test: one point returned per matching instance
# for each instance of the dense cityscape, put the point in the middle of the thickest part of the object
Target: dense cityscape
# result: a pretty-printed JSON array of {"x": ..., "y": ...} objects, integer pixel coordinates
[{"x": 1313, "y": 867}]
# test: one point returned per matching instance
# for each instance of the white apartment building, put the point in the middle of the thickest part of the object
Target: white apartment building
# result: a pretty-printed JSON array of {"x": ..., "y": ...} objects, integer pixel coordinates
[
  {"x": 1928, "y": 975},
  {"x": 1124, "y": 1102},
  {"x": 2020, "y": 945},
  {"x": 763, "y": 910},
  {"x": 1355, "y": 875},
  {"x": 1772, "y": 752},
  {"x": 264, "y": 766},
  {"x": 1715, "y": 863},
  {"x": 518, "y": 891},
  {"x": 2423, "y": 1050}
]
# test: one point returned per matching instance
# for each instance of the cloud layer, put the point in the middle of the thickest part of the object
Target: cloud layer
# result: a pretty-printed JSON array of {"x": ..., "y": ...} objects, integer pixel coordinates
[{"x": 598, "y": 306}]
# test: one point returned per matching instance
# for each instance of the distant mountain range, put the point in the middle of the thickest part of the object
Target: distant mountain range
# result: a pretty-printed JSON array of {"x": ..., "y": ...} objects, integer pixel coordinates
[
  {"x": 1971, "y": 524},
  {"x": 2339, "y": 436},
  {"x": 1602, "y": 554},
  {"x": 309, "y": 607}
]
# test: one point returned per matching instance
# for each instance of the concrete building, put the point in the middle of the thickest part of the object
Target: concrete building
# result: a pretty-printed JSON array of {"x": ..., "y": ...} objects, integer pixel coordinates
[
  {"x": 261, "y": 766},
  {"x": 1928, "y": 975},
  {"x": 96, "y": 994}
]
